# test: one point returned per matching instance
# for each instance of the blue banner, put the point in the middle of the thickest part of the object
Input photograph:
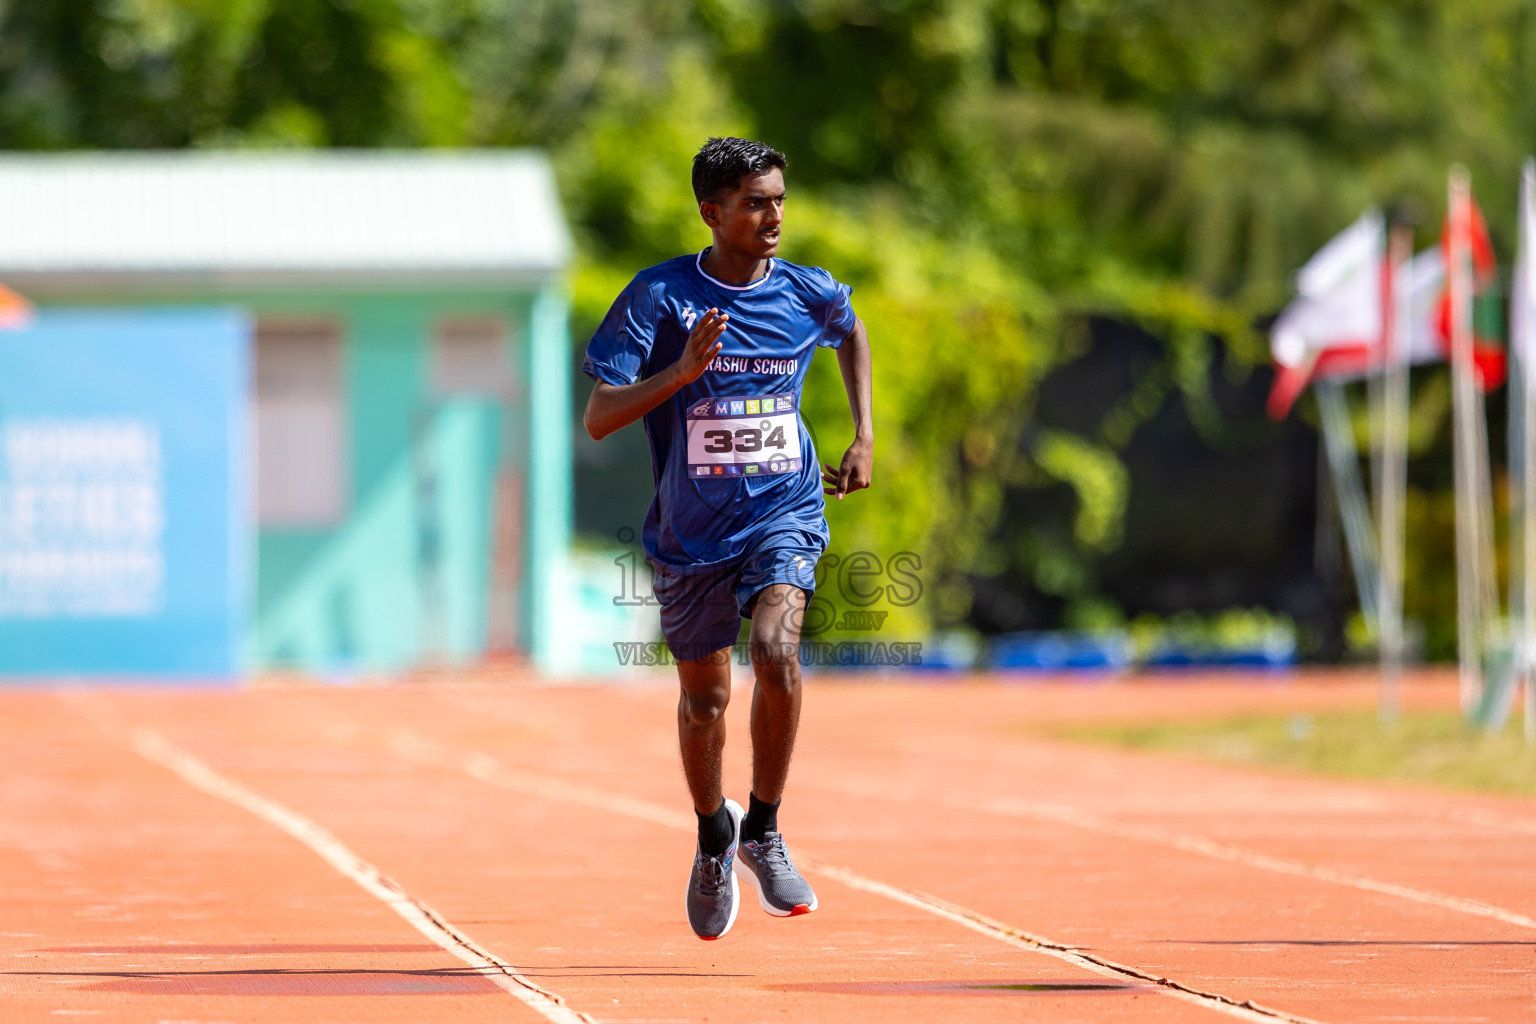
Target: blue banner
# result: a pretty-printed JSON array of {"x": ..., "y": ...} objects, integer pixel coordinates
[{"x": 125, "y": 535}]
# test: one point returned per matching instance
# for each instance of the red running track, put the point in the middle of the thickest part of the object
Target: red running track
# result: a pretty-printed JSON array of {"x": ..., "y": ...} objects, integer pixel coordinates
[{"x": 504, "y": 851}]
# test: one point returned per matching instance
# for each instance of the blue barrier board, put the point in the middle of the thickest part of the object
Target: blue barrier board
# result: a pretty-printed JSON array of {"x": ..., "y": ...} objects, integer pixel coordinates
[{"x": 125, "y": 535}]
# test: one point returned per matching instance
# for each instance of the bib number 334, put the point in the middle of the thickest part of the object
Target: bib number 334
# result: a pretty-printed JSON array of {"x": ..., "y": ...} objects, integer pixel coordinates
[{"x": 743, "y": 436}]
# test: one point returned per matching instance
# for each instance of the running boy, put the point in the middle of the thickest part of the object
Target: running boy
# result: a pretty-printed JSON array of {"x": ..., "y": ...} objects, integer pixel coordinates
[{"x": 711, "y": 350}]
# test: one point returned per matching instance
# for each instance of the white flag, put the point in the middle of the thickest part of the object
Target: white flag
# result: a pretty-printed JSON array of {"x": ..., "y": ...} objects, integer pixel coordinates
[
  {"x": 1339, "y": 295},
  {"x": 1337, "y": 311},
  {"x": 1424, "y": 279}
]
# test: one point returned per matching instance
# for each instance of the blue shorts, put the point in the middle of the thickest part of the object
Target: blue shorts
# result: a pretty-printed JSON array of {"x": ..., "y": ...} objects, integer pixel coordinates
[{"x": 702, "y": 612}]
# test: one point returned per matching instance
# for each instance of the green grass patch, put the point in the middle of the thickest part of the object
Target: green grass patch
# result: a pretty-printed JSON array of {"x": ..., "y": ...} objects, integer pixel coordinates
[{"x": 1433, "y": 748}]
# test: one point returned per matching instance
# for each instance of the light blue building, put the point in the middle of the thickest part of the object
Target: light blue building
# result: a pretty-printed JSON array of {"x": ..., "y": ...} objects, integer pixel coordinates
[{"x": 408, "y": 406}]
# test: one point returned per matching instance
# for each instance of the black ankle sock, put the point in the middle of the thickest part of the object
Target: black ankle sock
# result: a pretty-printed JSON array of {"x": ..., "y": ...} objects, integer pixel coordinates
[
  {"x": 761, "y": 818},
  {"x": 715, "y": 831}
]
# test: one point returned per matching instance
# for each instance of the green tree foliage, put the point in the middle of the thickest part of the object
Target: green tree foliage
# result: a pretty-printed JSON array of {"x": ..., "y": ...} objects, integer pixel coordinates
[{"x": 984, "y": 172}]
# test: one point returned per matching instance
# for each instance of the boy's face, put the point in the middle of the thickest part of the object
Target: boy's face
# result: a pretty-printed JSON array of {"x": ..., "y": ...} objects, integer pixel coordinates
[{"x": 747, "y": 219}]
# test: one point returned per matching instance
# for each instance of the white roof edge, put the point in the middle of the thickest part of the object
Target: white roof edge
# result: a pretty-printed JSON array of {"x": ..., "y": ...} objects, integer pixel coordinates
[
  {"x": 329, "y": 154},
  {"x": 267, "y": 216},
  {"x": 127, "y": 285}
]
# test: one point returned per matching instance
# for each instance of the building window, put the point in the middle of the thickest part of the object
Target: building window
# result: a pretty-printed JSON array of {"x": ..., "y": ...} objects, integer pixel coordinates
[
  {"x": 301, "y": 451},
  {"x": 470, "y": 358}
]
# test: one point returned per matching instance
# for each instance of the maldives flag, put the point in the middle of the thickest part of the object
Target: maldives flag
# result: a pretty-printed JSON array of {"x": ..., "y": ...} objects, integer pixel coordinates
[
  {"x": 15, "y": 311},
  {"x": 1489, "y": 360},
  {"x": 1334, "y": 326}
]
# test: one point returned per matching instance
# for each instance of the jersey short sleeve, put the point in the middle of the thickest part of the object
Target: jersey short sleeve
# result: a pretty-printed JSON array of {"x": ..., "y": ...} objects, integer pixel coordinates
[
  {"x": 622, "y": 344},
  {"x": 832, "y": 307}
]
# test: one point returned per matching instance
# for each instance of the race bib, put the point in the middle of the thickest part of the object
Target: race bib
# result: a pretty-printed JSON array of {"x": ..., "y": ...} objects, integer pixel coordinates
[{"x": 743, "y": 437}]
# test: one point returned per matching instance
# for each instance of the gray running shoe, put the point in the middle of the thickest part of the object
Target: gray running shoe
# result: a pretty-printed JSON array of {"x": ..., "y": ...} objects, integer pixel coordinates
[
  {"x": 780, "y": 889},
  {"x": 713, "y": 895}
]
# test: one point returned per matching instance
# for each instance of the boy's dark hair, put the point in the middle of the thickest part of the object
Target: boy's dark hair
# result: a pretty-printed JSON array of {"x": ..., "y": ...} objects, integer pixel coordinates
[{"x": 720, "y": 165}]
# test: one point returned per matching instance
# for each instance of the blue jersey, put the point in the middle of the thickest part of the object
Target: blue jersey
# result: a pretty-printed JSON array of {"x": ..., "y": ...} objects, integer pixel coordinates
[{"x": 730, "y": 454}]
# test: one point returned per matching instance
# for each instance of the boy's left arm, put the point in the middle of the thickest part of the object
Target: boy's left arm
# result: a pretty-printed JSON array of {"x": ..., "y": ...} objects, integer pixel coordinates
[{"x": 859, "y": 460}]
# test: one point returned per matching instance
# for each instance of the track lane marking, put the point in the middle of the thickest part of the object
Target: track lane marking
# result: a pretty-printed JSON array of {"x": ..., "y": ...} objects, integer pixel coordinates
[
  {"x": 1192, "y": 843},
  {"x": 155, "y": 748},
  {"x": 477, "y": 699},
  {"x": 420, "y": 750},
  {"x": 1013, "y": 807}
]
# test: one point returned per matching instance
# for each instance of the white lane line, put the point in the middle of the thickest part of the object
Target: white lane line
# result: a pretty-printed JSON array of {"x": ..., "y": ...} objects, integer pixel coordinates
[
  {"x": 421, "y": 750},
  {"x": 480, "y": 700},
  {"x": 195, "y": 773},
  {"x": 1012, "y": 807},
  {"x": 1190, "y": 843}
]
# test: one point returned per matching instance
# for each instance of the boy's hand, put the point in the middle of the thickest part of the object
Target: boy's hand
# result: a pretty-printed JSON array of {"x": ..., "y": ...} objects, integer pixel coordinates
[
  {"x": 613, "y": 406},
  {"x": 854, "y": 474},
  {"x": 703, "y": 345}
]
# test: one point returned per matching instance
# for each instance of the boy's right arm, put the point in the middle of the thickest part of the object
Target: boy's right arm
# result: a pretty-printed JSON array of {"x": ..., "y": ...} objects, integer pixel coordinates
[{"x": 613, "y": 406}]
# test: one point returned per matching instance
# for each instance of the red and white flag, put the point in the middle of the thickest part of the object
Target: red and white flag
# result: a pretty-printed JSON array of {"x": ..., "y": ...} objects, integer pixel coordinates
[
  {"x": 1334, "y": 325},
  {"x": 1423, "y": 279}
]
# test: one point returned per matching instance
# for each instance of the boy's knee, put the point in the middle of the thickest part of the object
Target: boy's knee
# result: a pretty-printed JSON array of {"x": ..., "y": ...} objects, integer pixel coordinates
[
  {"x": 776, "y": 663},
  {"x": 702, "y": 710}
]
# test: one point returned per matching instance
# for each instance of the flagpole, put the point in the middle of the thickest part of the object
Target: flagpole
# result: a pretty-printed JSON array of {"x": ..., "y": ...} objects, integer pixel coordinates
[
  {"x": 1489, "y": 607},
  {"x": 1525, "y": 635},
  {"x": 1393, "y": 472},
  {"x": 1338, "y": 311},
  {"x": 1375, "y": 399},
  {"x": 1343, "y": 457},
  {"x": 1469, "y": 631},
  {"x": 1518, "y": 505},
  {"x": 1522, "y": 399}
]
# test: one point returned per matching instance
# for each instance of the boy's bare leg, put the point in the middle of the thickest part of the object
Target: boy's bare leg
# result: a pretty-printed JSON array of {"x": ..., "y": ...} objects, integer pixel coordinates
[
  {"x": 775, "y": 649},
  {"x": 774, "y": 646},
  {"x": 713, "y": 894},
  {"x": 706, "y": 690}
]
